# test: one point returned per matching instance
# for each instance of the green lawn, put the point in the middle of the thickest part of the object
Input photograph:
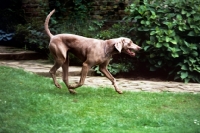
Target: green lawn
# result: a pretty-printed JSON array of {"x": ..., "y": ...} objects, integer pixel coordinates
[{"x": 31, "y": 104}]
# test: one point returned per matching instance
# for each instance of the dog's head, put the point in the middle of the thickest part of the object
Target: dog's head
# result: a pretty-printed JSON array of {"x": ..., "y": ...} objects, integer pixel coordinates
[{"x": 125, "y": 45}]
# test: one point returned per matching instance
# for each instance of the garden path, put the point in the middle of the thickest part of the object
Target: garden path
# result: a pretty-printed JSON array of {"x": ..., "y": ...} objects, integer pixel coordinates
[{"x": 42, "y": 66}]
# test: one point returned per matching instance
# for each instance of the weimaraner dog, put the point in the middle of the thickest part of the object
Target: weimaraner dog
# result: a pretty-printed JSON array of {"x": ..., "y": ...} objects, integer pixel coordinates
[{"x": 91, "y": 51}]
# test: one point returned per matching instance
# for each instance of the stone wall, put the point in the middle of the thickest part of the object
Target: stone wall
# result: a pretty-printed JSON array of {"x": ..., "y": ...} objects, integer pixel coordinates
[{"x": 109, "y": 9}]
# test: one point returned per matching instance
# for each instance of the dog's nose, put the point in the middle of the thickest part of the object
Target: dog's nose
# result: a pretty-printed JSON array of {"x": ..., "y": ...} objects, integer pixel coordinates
[{"x": 139, "y": 48}]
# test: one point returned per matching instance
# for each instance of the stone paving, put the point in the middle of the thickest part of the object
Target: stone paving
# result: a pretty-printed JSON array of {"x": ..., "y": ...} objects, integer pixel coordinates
[
  {"x": 42, "y": 67},
  {"x": 8, "y": 52}
]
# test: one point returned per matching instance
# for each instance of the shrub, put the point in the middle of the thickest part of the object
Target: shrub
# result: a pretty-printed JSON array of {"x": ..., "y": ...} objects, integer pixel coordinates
[
  {"x": 116, "y": 68},
  {"x": 115, "y": 30},
  {"x": 170, "y": 32},
  {"x": 31, "y": 36}
]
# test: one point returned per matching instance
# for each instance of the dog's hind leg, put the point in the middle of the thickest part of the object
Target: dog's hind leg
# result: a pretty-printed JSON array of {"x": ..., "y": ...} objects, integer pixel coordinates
[
  {"x": 65, "y": 68},
  {"x": 59, "y": 58},
  {"x": 52, "y": 72}
]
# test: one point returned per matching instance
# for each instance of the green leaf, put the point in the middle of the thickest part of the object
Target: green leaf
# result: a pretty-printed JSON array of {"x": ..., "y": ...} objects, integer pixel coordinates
[
  {"x": 166, "y": 44},
  {"x": 184, "y": 67},
  {"x": 175, "y": 55},
  {"x": 152, "y": 68},
  {"x": 183, "y": 11},
  {"x": 168, "y": 39},
  {"x": 146, "y": 47},
  {"x": 192, "y": 60},
  {"x": 138, "y": 17},
  {"x": 186, "y": 43},
  {"x": 180, "y": 28},
  {"x": 184, "y": 75},
  {"x": 188, "y": 14},
  {"x": 152, "y": 33},
  {"x": 193, "y": 46},
  {"x": 169, "y": 24},
  {"x": 179, "y": 17},
  {"x": 158, "y": 45},
  {"x": 185, "y": 61},
  {"x": 153, "y": 16},
  {"x": 184, "y": 49},
  {"x": 159, "y": 63},
  {"x": 197, "y": 69},
  {"x": 185, "y": 27},
  {"x": 142, "y": 22},
  {"x": 186, "y": 80},
  {"x": 170, "y": 15},
  {"x": 147, "y": 23},
  {"x": 176, "y": 77},
  {"x": 148, "y": 42},
  {"x": 193, "y": 12},
  {"x": 143, "y": 29},
  {"x": 142, "y": 9},
  {"x": 191, "y": 33},
  {"x": 170, "y": 33},
  {"x": 152, "y": 55},
  {"x": 173, "y": 41},
  {"x": 194, "y": 53}
]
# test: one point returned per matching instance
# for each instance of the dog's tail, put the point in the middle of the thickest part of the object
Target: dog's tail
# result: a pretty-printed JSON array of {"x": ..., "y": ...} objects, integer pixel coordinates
[{"x": 46, "y": 27}]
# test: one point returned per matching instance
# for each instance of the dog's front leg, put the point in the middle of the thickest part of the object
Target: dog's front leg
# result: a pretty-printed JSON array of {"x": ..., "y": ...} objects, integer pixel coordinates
[
  {"x": 84, "y": 72},
  {"x": 104, "y": 70}
]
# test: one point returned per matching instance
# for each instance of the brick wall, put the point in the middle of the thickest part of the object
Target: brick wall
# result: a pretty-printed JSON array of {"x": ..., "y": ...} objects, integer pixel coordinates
[
  {"x": 33, "y": 8},
  {"x": 109, "y": 9},
  {"x": 101, "y": 9}
]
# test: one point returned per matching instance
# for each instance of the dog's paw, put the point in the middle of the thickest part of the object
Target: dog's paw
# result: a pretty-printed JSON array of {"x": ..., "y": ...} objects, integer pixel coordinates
[
  {"x": 58, "y": 86},
  {"x": 73, "y": 86},
  {"x": 72, "y": 91},
  {"x": 119, "y": 92}
]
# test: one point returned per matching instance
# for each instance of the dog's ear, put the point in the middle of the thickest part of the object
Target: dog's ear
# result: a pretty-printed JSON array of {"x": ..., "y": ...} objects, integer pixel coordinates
[{"x": 119, "y": 45}]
